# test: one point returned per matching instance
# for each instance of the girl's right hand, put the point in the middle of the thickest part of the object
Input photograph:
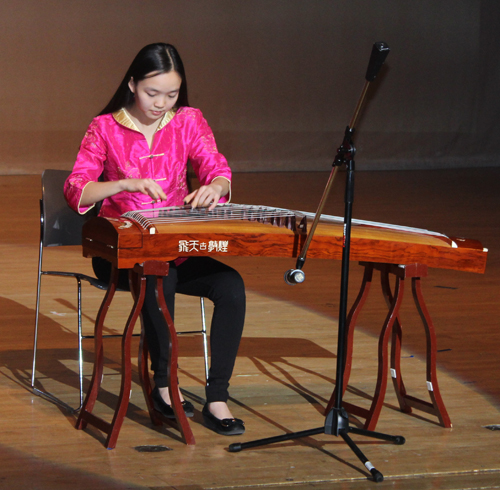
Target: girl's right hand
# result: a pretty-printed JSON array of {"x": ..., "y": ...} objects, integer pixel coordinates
[{"x": 148, "y": 187}]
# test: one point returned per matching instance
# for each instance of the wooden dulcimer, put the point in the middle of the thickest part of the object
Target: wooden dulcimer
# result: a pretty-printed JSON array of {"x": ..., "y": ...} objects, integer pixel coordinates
[{"x": 230, "y": 229}]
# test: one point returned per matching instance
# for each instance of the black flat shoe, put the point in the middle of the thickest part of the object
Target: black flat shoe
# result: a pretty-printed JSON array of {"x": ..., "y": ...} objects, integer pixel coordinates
[
  {"x": 225, "y": 427},
  {"x": 165, "y": 409}
]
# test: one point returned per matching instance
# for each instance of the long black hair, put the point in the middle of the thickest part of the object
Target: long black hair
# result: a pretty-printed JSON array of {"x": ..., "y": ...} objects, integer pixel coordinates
[{"x": 154, "y": 58}]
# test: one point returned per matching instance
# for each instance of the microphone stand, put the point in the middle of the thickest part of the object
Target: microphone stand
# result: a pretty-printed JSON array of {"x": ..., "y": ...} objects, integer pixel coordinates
[{"x": 337, "y": 420}]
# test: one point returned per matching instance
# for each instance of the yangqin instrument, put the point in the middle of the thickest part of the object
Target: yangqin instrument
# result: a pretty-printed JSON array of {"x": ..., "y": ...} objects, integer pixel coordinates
[{"x": 230, "y": 229}]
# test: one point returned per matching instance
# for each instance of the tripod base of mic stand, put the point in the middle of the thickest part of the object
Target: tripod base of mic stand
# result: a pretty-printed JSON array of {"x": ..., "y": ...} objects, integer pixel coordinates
[{"x": 337, "y": 423}]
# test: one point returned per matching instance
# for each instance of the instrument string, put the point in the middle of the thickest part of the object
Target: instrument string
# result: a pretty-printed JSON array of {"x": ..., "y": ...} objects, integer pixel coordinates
[
  {"x": 225, "y": 212},
  {"x": 147, "y": 218}
]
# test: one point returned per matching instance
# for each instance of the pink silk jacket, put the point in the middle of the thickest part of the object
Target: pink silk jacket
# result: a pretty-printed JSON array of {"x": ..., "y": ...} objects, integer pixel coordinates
[{"x": 115, "y": 148}]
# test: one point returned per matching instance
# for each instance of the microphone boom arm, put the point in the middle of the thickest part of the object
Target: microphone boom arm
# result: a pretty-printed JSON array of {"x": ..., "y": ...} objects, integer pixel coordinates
[{"x": 345, "y": 153}]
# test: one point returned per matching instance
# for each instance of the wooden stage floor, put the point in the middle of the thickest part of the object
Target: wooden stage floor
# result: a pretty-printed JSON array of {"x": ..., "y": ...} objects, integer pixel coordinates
[{"x": 285, "y": 371}]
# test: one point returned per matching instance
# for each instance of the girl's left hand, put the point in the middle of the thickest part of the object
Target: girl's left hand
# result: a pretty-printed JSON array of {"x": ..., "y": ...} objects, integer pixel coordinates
[{"x": 206, "y": 195}]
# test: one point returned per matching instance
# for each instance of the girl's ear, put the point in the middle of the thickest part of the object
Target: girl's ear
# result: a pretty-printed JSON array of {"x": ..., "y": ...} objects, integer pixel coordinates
[{"x": 131, "y": 85}]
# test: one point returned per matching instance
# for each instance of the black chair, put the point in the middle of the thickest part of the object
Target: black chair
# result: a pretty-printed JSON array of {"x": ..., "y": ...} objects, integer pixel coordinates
[{"x": 61, "y": 226}]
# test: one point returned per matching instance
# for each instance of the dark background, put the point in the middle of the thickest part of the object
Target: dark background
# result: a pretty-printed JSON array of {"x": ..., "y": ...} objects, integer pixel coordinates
[{"x": 278, "y": 80}]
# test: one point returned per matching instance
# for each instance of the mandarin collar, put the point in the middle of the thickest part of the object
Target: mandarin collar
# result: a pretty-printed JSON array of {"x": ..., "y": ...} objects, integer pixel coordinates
[{"x": 122, "y": 117}]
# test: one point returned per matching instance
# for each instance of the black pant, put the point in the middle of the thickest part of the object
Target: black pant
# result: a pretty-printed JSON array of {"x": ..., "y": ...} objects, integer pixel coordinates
[{"x": 197, "y": 276}]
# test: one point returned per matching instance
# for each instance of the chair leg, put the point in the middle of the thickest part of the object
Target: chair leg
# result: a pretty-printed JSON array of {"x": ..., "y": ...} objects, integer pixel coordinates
[
  {"x": 80, "y": 347},
  {"x": 37, "y": 311},
  {"x": 46, "y": 394},
  {"x": 204, "y": 334}
]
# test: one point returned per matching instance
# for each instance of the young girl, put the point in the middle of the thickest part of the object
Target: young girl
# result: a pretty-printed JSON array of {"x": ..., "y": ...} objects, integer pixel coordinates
[{"x": 134, "y": 156}]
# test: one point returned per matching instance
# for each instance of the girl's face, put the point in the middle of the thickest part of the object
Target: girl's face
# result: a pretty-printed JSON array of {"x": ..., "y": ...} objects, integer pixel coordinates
[{"x": 155, "y": 95}]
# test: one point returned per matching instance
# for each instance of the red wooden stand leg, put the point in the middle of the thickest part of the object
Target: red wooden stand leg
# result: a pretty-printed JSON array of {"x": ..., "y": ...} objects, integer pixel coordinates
[
  {"x": 406, "y": 402},
  {"x": 383, "y": 358},
  {"x": 181, "y": 421},
  {"x": 86, "y": 416},
  {"x": 397, "y": 337},
  {"x": 437, "y": 406},
  {"x": 95, "y": 383},
  {"x": 126, "y": 382}
]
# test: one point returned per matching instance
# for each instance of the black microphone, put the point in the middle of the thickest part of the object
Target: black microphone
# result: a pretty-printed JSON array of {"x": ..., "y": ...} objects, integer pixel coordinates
[
  {"x": 294, "y": 276},
  {"x": 377, "y": 58}
]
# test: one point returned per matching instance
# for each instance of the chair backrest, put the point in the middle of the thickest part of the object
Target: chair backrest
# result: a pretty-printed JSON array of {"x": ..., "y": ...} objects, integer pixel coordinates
[{"x": 60, "y": 225}]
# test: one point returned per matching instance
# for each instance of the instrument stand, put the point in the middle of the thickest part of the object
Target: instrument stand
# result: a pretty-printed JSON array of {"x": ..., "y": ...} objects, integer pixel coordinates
[
  {"x": 337, "y": 419},
  {"x": 138, "y": 276}
]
